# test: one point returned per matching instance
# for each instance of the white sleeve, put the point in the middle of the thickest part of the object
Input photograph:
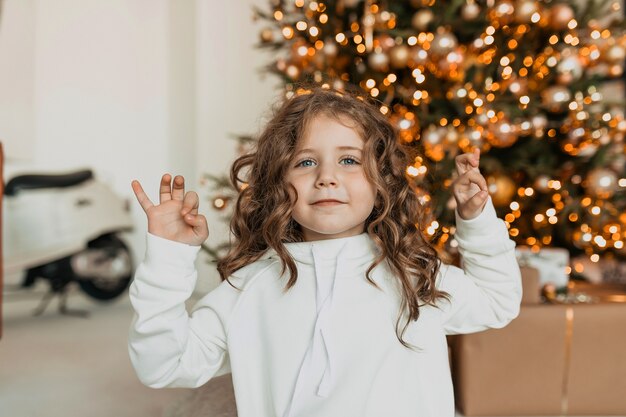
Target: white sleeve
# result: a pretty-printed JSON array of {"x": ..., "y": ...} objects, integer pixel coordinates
[
  {"x": 167, "y": 347},
  {"x": 487, "y": 291}
]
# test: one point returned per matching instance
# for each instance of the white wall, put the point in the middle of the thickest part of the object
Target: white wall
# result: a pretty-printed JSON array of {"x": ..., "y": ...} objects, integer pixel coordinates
[
  {"x": 131, "y": 89},
  {"x": 17, "y": 62},
  {"x": 232, "y": 98}
]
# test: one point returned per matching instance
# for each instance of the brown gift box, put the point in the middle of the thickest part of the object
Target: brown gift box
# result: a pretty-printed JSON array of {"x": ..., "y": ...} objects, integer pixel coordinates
[
  {"x": 554, "y": 359},
  {"x": 531, "y": 285}
]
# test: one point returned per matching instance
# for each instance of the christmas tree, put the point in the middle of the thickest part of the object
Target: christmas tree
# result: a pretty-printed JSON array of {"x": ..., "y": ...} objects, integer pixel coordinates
[{"x": 524, "y": 81}]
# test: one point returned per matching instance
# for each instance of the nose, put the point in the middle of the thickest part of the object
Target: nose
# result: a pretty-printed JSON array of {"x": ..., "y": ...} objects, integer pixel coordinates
[{"x": 327, "y": 177}]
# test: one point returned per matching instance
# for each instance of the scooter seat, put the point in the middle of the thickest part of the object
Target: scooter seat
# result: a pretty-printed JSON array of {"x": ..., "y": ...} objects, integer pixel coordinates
[{"x": 35, "y": 181}]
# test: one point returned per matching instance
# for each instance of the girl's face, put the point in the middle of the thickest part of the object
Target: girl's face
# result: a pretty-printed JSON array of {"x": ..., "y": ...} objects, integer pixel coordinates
[{"x": 334, "y": 196}]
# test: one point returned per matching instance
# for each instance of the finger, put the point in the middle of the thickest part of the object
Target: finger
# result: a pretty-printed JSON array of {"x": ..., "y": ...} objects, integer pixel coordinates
[
  {"x": 178, "y": 189},
  {"x": 198, "y": 222},
  {"x": 473, "y": 177},
  {"x": 477, "y": 201},
  {"x": 466, "y": 162},
  {"x": 190, "y": 203},
  {"x": 142, "y": 198},
  {"x": 165, "y": 188}
]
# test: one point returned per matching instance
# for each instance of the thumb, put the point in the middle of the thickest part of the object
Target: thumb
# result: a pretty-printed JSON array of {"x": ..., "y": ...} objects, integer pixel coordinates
[
  {"x": 196, "y": 221},
  {"x": 474, "y": 206}
]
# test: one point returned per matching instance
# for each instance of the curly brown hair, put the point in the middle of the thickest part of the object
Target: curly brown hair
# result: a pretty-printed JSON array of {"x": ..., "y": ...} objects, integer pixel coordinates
[{"x": 262, "y": 214}]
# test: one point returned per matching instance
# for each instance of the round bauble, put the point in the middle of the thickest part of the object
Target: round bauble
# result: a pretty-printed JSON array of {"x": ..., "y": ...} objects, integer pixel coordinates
[
  {"x": 560, "y": 16},
  {"x": 471, "y": 139},
  {"x": 399, "y": 56},
  {"x": 525, "y": 10},
  {"x": 502, "y": 134},
  {"x": 569, "y": 69},
  {"x": 470, "y": 11},
  {"x": 267, "y": 35},
  {"x": 503, "y": 11},
  {"x": 419, "y": 55},
  {"x": 541, "y": 183},
  {"x": 433, "y": 139},
  {"x": 293, "y": 72},
  {"x": 502, "y": 189},
  {"x": 556, "y": 97},
  {"x": 421, "y": 19},
  {"x": 443, "y": 43},
  {"x": 378, "y": 61},
  {"x": 601, "y": 182},
  {"x": 615, "y": 54},
  {"x": 330, "y": 49}
]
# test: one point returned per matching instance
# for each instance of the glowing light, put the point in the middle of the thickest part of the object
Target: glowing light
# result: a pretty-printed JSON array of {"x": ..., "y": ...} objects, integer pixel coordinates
[{"x": 287, "y": 32}]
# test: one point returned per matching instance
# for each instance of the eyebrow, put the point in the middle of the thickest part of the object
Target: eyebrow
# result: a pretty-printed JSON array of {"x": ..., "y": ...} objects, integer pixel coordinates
[{"x": 341, "y": 148}]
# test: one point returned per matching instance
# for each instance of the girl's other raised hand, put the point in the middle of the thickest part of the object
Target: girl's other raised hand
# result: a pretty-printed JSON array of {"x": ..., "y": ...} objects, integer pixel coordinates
[
  {"x": 176, "y": 217},
  {"x": 470, "y": 187}
]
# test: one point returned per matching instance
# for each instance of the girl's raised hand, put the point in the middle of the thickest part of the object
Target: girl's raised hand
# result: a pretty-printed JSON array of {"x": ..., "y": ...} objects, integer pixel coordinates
[
  {"x": 176, "y": 217},
  {"x": 470, "y": 187}
]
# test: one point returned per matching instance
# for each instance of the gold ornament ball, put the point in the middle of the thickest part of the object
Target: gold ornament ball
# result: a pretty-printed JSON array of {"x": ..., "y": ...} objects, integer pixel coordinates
[
  {"x": 615, "y": 54},
  {"x": 443, "y": 43},
  {"x": 433, "y": 139},
  {"x": 330, "y": 48},
  {"x": 570, "y": 69},
  {"x": 386, "y": 42},
  {"x": 419, "y": 55},
  {"x": 399, "y": 56},
  {"x": 539, "y": 122},
  {"x": 339, "y": 85},
  {"x": 518, "y": 86},
  {"x": 422, "y": 18},
  {"x": 525, "y": 10},
  {"x": 471, "y": 139},
  {"x": 601, "y": 182},
  {"x": 560, "y": 16},
  {"x": 293, "y": 72},
  {"x": 267, "y": 35},
  {"x": 541, "y": 183},
  {"x": 556, "y": 97},
  {"x": 470, "y": 11},
  {"x": 503, "y": 11},
  {"x": 378, "y": 61},
  {"x": 502, "y": 134},
  {"x": 502, "y": 189}
]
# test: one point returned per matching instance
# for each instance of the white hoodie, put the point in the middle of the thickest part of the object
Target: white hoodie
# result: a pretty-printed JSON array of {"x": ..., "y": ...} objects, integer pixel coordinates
[{"x": 328, "y": 346}]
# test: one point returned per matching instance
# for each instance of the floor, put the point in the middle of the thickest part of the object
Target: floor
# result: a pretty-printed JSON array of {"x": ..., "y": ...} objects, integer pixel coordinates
[{"x": 60, "y": 366}]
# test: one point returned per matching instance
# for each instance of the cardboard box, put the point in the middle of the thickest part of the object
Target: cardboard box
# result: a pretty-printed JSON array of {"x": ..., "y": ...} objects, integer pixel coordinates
[{"x": 551, "y": 360}]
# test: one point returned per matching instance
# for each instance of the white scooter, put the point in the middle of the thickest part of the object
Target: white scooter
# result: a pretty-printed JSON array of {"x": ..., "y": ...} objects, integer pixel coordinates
[{"x": 63, "y": 229}]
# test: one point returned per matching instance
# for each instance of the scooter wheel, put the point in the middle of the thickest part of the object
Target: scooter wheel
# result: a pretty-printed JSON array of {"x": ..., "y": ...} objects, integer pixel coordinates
[{"x": 105, "y": 289}]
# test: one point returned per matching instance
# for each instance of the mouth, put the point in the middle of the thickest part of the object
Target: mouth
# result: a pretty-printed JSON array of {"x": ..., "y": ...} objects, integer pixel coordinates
[{"x": 327, "y": 202}]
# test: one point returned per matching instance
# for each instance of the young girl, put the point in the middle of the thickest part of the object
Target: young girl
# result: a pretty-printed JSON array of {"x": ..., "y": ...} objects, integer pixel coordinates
[{"x": 334, "y": 304}]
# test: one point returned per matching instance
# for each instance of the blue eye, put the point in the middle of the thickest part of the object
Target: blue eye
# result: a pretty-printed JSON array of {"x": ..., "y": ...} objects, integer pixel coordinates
[
  {"x": 303, "y": 163},
  {"x": 353, "y": 161}
]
